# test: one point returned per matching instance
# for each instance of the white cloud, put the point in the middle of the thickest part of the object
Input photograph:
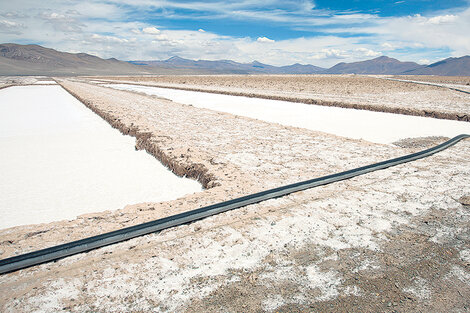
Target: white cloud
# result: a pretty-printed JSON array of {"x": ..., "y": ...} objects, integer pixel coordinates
[
  {"x": 161, "y": 37},
  {"x": 10, "y": 27},
  {"x": 97, "y": 9},
  {"x": 354, "y": 16},
  {"x": 442, "y": 19},
  {"x": 264, "y": 39},
  {"x": 53, "y": 16},
  {"x": 442, "y": 31},
  {"x": 308, "y": 5},
  {"x": 367, "y": 52},
  {"x": 151, "y": 31},
  {"x": 62, "y": 22},
  {"x": 9, "y": 24},
  {"x": 201, "y": 30},
  {"x": 435, "y": 20},
  {"x": 424, "y": 61},
  {"x": 109, "y": 39},
  {"x": 331, "y": 53},
  {"x": 12, "y": 15}
]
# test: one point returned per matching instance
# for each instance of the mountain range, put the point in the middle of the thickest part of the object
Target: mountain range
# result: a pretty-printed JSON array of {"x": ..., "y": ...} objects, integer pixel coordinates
[
  {"x": 231, "y": 67},
  {"x": 18, "y": 59}
]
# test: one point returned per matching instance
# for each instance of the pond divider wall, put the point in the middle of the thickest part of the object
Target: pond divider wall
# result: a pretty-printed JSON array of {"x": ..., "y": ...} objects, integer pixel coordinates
[{"x": 148, "y": 142}]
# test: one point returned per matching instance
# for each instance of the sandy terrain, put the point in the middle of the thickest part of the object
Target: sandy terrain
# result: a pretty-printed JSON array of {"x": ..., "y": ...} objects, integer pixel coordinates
[
  {"x": 362, "y": 92},
  {"x": 393, "y": 240}
]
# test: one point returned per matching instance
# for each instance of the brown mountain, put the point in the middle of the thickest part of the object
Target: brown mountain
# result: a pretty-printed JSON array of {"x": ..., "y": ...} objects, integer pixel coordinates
[
  {"x": 381, "y": 65},
  {"x": 448, "y": 67},
  {"x": 36, "y": 60}
]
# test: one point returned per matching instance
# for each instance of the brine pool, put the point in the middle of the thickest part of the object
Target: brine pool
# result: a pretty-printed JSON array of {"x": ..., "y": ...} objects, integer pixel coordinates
[
  {"x": 59, "y": 160},
  {"x": 375, "y": 127}
]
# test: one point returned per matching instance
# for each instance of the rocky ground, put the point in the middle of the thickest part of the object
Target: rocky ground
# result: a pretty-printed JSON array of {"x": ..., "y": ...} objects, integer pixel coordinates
[
  {"x": 349, "y": 91},
  {"x": 395, "y": 240}
]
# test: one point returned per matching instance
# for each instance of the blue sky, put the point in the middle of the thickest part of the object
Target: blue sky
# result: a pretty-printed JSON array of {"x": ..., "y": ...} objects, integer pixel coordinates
[{"x": 277, "y": 32}]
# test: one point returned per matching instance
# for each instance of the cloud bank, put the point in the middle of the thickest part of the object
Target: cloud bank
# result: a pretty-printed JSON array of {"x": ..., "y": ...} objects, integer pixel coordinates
[{"x": 291, "y": 31}]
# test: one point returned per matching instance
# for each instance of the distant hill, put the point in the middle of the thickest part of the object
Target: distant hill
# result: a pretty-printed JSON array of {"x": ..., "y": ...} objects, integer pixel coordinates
[
  {"x": 231, "y": 67},
  {"x": 448, "y": 67},
  {"x": 36, "y": 60},
  {"x": 381, "y": 65},
  {"x": 301, "y": 69}
]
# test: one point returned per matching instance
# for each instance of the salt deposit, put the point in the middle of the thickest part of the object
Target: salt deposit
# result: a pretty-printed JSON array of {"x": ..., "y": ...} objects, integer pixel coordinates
[
  {"x": 59, "y": 160},
  {"x": 45, "y": 82},
  {"x": 375, "y": 127}
]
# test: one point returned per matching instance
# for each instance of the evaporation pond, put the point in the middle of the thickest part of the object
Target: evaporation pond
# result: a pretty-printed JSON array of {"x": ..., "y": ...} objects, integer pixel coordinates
[
  {"x": 59, "y": 160},
  {"x": 375, "y": 127}
]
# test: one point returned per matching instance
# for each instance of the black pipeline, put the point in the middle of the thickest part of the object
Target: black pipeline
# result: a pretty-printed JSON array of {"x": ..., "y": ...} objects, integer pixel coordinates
[{"x": 57, "y": 252}]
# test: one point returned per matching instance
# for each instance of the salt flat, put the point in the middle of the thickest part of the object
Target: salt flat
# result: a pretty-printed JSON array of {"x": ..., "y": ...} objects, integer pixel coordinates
[
  {"x": 375, "y": 127},
  {"x": 59, "y": 160},
  {"x": 389, "y": 240}
]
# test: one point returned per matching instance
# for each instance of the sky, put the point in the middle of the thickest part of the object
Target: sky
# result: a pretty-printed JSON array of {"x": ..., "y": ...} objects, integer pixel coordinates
[{"x": 277, "y": 32}]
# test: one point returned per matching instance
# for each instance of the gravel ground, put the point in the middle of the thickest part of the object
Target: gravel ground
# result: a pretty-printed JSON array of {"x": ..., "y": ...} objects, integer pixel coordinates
[
  {"x": 393, "y": 240},
  {"x": 362, "y": 92}
]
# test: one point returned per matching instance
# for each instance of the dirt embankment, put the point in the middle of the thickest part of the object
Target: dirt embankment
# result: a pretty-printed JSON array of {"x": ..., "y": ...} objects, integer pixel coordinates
[{"x": 347, "y": 91}]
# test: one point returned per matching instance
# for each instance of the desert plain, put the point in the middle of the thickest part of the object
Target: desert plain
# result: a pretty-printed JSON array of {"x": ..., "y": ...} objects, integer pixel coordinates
[{"x": 390, "y": 241}]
